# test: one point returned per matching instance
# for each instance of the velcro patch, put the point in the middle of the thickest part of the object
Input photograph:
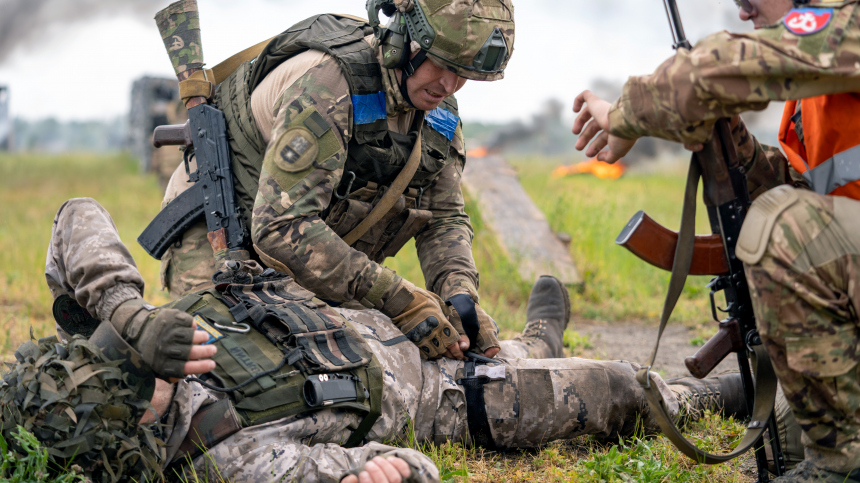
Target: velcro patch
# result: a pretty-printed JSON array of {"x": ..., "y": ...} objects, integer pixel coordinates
[
  {"x": 214, "y": 335},
  {"x": 442, "y": 121},
  {"x": 295, "y": 150},
  {"x": 807, "y": 21}
]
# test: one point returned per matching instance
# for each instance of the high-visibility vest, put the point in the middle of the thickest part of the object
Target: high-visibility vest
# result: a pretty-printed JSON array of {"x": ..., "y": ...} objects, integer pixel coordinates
[{"x": 828, "y": 157}]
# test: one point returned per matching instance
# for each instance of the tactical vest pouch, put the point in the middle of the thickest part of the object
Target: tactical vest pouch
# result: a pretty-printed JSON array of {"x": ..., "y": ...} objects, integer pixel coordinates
[
  {"x": 394, "y": 230},
  {"x": 295, "y": 338},
  {"x": 210, "y": 425},
  {"x": 291, "y": 318}
]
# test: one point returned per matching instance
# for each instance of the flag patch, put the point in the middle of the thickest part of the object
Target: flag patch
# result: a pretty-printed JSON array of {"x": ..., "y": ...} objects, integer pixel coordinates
[{"x": 807, "y": 21}]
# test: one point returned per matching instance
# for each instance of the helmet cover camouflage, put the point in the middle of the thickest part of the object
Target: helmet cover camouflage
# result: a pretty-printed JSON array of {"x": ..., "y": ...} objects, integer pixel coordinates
[
  {"x": 472, "y": 38},
  {"x": 83, "y": 407}
]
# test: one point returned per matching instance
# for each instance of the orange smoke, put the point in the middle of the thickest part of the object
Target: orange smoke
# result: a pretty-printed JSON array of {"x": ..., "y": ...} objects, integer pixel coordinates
[
  {"x": 478, "y": 152},
  {"x": 597, "y": 168}
]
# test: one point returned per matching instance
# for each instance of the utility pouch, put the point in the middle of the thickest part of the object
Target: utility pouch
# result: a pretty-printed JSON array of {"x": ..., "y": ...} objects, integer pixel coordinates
[
  {"x": 391, "y": 233},
  {"x": 210, "y": 425},
  {"x": 292, "y": 319},
  {"x": 272, "y": 337}
]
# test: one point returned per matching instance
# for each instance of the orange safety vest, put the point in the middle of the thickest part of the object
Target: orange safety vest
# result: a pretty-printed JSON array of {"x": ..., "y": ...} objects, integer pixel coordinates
[{"x": 829, "y": 156}]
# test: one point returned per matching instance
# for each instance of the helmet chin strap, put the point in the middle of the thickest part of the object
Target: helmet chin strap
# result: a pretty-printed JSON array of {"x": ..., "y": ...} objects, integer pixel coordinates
[{"x": 408, "y": 71}]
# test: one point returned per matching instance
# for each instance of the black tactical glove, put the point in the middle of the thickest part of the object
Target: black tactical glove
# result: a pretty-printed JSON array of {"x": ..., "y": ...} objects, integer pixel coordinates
[
  {"x": 423, "y": 319},
  {"x": 161, "y": 336},
  {"x": 469, "y": 318}
]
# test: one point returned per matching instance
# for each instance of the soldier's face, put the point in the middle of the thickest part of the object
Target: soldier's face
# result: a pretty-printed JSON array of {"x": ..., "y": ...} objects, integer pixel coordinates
[
  {"x": 764, "y": 12},
  {"x": 431, "y": 84}
]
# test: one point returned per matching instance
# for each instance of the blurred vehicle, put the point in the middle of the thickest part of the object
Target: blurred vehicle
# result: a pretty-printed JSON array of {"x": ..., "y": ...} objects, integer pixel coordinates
[
  {"x": 154, "y": 102},
  {"x": 5, "y": 120}
]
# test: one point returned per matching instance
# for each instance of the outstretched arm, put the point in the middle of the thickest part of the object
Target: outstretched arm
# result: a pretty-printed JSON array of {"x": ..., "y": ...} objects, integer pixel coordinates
[{"x": 726, "y": 74}]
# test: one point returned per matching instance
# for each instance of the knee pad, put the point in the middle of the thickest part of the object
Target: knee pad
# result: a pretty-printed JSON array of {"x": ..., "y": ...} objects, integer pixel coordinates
[{"x": 759, "y": 222}]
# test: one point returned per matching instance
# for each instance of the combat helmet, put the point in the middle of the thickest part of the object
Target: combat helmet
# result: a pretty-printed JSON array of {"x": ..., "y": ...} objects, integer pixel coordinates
[
  {"x": 474, "y": 39},
  {"x": 83, "y": 401}
]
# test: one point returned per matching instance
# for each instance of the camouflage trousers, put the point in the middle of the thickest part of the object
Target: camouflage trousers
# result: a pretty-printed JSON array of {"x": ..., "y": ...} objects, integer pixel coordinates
[
  {"x": 187, "y": 266},
  {"x": 806, "y": 296},
  {"x": 529, "y": 402}
]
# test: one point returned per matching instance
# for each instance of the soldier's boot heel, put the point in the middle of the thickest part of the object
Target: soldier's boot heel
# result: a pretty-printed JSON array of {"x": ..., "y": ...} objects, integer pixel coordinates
[
  {"x": 547, "y": 315},
  {"x": 720, "y": 393},
  {"x": 806, "y": 472}
]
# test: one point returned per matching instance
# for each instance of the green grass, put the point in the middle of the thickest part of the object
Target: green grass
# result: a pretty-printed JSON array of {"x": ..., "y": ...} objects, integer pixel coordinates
[
  {"x": 32, "y": 188},
  {"x": 618, "y": 285},
  {"x": 35, "y": 464}
]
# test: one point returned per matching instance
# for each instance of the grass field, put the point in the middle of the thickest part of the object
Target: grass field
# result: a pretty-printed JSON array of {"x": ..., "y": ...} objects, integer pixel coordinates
[{"x": 618, "y": 287}]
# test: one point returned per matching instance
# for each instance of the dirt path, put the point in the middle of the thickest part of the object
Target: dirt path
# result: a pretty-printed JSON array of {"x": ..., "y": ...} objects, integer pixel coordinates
[{"x": 634, "y": 342}]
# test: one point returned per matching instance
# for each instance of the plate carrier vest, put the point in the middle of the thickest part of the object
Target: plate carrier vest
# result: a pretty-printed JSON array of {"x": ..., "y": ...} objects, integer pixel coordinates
[
  {"x": 375, "y": 155},
  {"x": 293, "y": 336}
]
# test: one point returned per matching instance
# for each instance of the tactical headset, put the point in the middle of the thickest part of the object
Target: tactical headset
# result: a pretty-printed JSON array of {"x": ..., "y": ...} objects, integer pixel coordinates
[
  {"x": 414, "y": 25},
  {"x": 394, "y": 37}
]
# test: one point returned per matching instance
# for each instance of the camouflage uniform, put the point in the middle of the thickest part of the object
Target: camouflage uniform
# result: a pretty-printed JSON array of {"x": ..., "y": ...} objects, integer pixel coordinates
[
  {"x": 289, "y": 226},
  {"x": 805, "y": 283},
  {"x": 528, "y": 401}
]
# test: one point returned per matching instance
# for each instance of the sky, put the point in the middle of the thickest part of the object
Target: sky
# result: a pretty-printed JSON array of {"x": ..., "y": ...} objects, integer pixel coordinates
[{"x": 76, "y": 59}]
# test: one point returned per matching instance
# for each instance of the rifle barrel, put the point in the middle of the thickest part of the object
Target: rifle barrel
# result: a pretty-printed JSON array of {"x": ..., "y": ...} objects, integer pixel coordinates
[{"x": 679, "y": 38}]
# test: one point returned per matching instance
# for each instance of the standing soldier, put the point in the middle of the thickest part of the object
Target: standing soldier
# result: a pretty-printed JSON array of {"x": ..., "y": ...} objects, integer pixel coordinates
[
  {"x": 321, "y": 124},
  {"x": 801, "y": 240}
]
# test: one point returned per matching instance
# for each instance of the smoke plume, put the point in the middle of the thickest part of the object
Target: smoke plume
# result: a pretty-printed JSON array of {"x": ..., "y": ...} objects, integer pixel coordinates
[{"x": 25, "y": 22}]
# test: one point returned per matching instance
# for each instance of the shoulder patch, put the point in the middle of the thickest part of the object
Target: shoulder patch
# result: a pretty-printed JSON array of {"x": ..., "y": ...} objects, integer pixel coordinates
[
  {"x": 368, "y": 108},
  {"x": 807, "y": 21},
  {"x": 443, "y": 122},
  {"x": 295, "y": 150}
]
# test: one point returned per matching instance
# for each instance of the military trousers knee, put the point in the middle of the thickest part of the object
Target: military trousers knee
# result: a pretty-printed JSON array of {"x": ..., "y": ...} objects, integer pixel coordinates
[
  {"x": 805, "y": 289},
  {"x": 530, "y": 402}
]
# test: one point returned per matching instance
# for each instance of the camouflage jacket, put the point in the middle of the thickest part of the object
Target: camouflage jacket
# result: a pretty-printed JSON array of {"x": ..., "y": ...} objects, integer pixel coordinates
[
  {"x": 726, "y": 74},
  {"x": 291, "y": 227}
]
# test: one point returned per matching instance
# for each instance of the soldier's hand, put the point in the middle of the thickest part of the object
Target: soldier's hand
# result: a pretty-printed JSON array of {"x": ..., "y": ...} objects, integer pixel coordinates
[
  {"x": 596, "y": 132},
  {"x": 476, "y": 321},
  {"x": 199, "y": 361},
  {"x": 381, "y": 470},
  {"x": 165, "y": 338},
  {"x": 424, "y": 321}
]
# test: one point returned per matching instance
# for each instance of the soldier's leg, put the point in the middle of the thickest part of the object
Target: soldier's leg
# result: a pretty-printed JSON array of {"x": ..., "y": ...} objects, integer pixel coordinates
[
  {"x": 87, "y": 260},
  {"x": 547, "y": 315},
  {"x": 187, "y": 266},
  {"x": 806, "y": 290}
]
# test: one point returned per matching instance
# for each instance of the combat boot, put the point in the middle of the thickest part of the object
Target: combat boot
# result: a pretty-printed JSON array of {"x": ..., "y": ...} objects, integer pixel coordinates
[
  {"x": 806, "y": 472},
  {"x": 547, "y": 315},
  {"x": 720, "y": 393}
]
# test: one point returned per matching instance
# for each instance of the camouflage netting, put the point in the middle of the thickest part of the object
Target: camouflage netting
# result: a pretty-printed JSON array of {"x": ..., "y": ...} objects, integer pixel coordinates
[{"x": 80, "y": 405}]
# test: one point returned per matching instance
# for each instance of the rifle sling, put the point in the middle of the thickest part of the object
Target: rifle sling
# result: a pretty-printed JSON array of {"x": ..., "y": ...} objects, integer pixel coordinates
[
  {"x": 394, "y": 191},
  {"x": 765, "y": 379}
]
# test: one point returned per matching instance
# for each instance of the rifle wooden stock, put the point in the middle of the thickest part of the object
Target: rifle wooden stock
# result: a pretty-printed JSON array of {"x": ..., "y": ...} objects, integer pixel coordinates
[
  {"x": 656, "y": 244},
  {"x": 172, "y": 135},
  {"x": 726, "y": 341}
]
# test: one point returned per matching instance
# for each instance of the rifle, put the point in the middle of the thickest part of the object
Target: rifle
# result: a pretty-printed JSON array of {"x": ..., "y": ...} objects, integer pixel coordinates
[
  {"x": 727, "y": 199},
  {"x": 204, "y": 137}
]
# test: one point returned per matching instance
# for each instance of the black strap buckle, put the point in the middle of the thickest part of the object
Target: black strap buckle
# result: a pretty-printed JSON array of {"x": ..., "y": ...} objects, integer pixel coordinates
[{"x": 476, "y": 408}]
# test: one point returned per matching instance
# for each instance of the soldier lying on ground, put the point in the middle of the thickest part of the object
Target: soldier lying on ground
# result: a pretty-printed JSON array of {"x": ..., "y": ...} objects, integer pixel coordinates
[
  {"x": 253, "y": 412},
  {"x": 801, "y": 249}
]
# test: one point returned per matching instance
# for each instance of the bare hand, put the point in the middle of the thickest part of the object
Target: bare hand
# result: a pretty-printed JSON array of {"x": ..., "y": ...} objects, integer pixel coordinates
[
  {"x": 455, "y": 351},
  {"x": 381, "y": 470},
  {"x": 597, "y": 111},
  {"x": 199, "y": 358}
]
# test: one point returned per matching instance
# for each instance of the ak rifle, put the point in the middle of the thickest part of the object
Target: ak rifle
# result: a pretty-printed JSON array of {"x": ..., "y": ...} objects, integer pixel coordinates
[
  {"x": 204, "y": 137},
  {"x": 726, "y": 196}
]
